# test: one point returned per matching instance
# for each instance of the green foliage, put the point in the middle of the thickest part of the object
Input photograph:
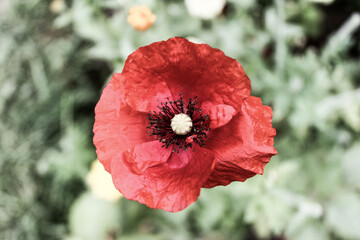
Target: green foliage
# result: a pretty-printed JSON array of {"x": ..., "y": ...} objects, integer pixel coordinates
[
  {"x": 91, "y": 218},
  {"x": 43, "y": 85},
  {"x": 55, "y": 64}
]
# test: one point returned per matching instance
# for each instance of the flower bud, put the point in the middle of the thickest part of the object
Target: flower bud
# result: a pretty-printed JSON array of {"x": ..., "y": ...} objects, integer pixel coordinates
[{"x": 141, "y": 18}]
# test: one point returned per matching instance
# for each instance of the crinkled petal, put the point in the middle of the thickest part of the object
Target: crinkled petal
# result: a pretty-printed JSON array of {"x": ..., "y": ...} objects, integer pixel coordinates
[
  {"x": 147, "y": 155},
  {"x": 219, "y": 114},
  {"x": 187, "y": 68},
  {"x": 244, "y": 145},
  {"x": 144, "y": 93},
  {"x": 171, "y": 186},
  {"x": 117, "y": 126}
]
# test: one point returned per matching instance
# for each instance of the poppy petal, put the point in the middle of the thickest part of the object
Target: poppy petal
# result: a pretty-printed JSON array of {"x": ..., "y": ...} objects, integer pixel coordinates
[
  {"x": 144, "y": 93},
  {"x": 147, "y": 155},
  {"x": 117, "y": 126},
  {"x": 219, "y": 114},
  {"x": 171, "y": 186},
  {"x": 183, "y": 67},
  {"x": 244, "y": 145}
]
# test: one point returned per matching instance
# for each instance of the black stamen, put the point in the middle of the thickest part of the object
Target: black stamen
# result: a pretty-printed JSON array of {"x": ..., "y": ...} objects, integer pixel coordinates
[{"x": 159, "y": 123}]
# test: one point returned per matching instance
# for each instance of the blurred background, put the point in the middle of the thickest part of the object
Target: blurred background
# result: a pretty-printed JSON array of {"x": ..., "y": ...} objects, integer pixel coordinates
[{"x": 302, "y": 57}]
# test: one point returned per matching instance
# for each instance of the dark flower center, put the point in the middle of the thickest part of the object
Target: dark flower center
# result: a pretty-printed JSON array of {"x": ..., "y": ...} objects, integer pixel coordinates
[{"x": 180, "y": 124}]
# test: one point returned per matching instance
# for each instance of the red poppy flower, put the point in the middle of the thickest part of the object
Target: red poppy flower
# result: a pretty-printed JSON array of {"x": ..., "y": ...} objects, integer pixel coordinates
[{"x": 178, "y": 118}]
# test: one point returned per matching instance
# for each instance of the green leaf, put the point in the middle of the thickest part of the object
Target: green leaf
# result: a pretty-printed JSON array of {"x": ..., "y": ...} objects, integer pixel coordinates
[
  {"x": 92, "y": 218},
  {"x": 351, "y": 165},
  {"x": 343, "y": 214}
]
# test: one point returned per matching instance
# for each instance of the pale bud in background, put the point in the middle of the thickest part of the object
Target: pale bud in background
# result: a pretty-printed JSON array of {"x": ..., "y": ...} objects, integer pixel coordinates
[
  {"x": 100, "y": 183},
  {"x": 57, "y": 6},
  {"x": 205, "y": 9},
  {"x": 141, "y": 18},
  {"x": 195, "y": 40}
]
